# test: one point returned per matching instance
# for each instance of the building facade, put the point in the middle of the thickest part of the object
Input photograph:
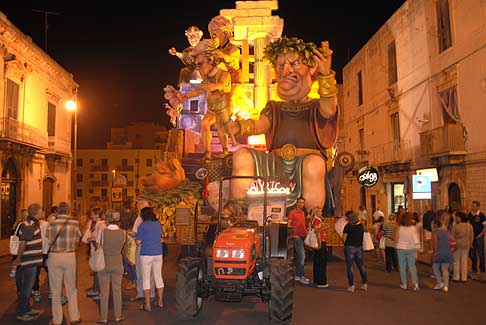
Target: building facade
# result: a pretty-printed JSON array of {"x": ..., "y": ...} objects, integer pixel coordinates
[
  {"x": 35, "y": 129},
  {"x": 98, "y": 171},
  {"x": 414, "y": 98}
]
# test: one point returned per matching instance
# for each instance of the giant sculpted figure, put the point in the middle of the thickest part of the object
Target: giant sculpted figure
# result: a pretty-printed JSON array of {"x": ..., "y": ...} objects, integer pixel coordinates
[
  {"x": 298, "y": 129},
  {"x": 216, "y": 83}
]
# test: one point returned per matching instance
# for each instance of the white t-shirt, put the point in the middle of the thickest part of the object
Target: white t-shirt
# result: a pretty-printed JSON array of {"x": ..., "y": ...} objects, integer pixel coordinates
[
  {"x": 377, "y": 215},
  {"x": 408, "y": 238},
  {"x": 137, "y": 223},
  {"x": 45, "y": 241}
]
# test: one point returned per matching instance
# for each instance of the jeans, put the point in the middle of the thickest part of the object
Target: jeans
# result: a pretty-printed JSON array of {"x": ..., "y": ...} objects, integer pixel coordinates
[
  {"x": 130, "y": 268},
  {"x": 406, "y": 259},
  {"x": 320, "y": 265},
  {"x": 37, "y": 273},
  {"x": 299, "y": 256},
  {"x": 27, "y": 278},
  {"x": 353, "y": 255},
  {"x": 441, "y": 272},
  {"x": 477, "y": 251},
  {"x": 390, "y": 258}
]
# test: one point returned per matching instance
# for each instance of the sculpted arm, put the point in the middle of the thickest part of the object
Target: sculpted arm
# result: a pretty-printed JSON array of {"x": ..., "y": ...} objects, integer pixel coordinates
[{"x": 327, "y": 81}]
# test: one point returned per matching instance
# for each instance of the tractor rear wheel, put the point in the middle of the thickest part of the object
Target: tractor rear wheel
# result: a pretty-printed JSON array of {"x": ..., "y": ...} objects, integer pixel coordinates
[
  {"x": 282, "y": 290},
  {"x": 188, "y": 277}
]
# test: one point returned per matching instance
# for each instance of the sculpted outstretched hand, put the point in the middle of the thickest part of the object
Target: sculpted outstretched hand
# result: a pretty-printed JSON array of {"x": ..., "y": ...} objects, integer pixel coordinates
[{"x": 323, "y": 58}]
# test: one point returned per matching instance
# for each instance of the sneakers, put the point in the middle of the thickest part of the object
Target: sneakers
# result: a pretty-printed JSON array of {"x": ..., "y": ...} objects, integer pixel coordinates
[
  {"x": 297, "y": 278},
  {"x": 92, "y": 292},
  {"x": 403, "y": 286},
  {"x": 304, "y": 280},
  {"x": 445, "y": 289},
  {"x": 323, "y": 285},
  {"x": 34, "y": 312},
  {"x": 26, "y": 317},
  {"x": 37, "y": 296},
  {"x": 438, "y": 286},
  {"x": 96, "y": 298},
  {"x": 351, "y": 288},
  {"x": 364, "y": 287},
  {"x": 415, "y": 287}
]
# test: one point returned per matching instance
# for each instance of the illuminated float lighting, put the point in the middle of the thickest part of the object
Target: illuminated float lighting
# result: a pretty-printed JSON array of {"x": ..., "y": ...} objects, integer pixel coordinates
[{"x": 258, "y": 187}]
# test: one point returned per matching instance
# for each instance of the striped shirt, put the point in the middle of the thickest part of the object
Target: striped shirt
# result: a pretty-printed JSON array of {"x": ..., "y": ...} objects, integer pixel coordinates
[
  {"x": 69, "y": 234},
  {"x": 388, "y": 230},
  {"x": 30, "y": 233}
]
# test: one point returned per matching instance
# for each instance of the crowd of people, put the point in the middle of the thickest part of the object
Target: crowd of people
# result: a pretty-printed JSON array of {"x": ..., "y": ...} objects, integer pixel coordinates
[
  {"x": 449, "y": 237},
  {"x": 51, "y": 242}
]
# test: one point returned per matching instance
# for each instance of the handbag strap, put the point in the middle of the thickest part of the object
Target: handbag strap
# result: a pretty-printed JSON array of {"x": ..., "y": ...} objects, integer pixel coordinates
[{"x": 57, "y": 236}]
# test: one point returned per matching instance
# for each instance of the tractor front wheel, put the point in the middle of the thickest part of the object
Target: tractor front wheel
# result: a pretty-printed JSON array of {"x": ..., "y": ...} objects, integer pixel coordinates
[
  {"x": 188, "y": 278},
  {"x": 282, "y": 290}
]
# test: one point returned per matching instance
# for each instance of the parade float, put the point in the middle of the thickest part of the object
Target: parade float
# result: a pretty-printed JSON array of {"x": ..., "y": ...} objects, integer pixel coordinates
[{"x": 255, "y": 120}]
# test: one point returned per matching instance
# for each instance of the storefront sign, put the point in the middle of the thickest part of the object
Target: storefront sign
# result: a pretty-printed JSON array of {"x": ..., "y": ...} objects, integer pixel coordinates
[
  {"x": 116, "y": 194},
  {"x": 368, "y": 176},
  {"x": 273, "y": 187},
  {"x": 421, "y": 187}
]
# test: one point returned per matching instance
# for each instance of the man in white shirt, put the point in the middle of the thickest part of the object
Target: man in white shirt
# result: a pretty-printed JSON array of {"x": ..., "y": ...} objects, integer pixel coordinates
[{"x": 378, "y": 213}]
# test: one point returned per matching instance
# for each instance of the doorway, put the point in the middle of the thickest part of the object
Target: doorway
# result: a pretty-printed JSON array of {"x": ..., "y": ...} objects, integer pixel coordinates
[
  {"x": 47, "y": 194},
  {"x": 454, "y": 194},
  {"x": 8, "y": 192}
]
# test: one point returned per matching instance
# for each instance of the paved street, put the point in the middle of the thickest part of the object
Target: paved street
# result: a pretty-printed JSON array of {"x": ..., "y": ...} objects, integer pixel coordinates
[{"x": 384, "y": 303}]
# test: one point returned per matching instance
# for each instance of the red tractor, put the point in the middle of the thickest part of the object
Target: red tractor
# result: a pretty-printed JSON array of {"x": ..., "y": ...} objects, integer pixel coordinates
[{"x": 241, "y": 260}]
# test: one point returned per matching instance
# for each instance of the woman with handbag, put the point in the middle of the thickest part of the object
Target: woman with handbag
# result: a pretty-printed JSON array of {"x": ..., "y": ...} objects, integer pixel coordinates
[
  {"x": 112, "y": 240},
  {"x": 148, "y": 237},
  {"x": 407, "y": 243},
  {"x": 91, "y": 237},
  {"x": 353, "y": 249},
  {"x": 463, "y": 234},
  {"x": 320, "y": 254}
]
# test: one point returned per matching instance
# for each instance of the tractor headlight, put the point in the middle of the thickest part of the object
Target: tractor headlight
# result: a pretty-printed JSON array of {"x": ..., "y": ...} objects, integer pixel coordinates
[
  {"x": 222, "y": 253},
  {"x": 238, "y": 253}
]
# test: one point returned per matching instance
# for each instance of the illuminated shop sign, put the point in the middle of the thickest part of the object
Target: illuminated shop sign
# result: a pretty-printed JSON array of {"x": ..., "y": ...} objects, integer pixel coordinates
[
  {"x": 273, "y": 187},
  {"x": 368, "y": 176}
]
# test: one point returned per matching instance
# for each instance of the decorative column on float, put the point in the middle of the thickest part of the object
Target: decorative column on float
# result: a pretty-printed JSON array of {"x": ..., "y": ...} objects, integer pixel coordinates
[{"x": 261, "y": 74}]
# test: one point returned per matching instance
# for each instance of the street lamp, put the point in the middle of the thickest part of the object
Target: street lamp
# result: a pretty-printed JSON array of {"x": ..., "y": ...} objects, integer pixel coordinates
[{"x": 71, "y": 105}]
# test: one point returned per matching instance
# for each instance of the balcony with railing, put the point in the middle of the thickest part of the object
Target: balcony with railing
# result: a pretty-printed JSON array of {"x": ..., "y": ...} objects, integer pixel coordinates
[
  {"x": 99, "y": 183},
  {"x": 56, "y": 144},
  {"x": 390, "y": 153},
  {"x": 447, "y": 140},
  {"x": 99, "y": 168},
  {"x": 15, "y": 130},
  {"x": 125, "y": 168}
]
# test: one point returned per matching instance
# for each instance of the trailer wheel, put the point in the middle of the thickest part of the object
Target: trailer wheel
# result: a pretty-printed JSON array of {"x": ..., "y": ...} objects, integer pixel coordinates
[
  {"x": 189, "y": 274},
  {"x": 282, "y": 290}
]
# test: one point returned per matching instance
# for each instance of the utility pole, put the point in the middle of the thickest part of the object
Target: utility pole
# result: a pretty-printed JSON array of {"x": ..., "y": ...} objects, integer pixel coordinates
[{"x": 46, "y": 25}]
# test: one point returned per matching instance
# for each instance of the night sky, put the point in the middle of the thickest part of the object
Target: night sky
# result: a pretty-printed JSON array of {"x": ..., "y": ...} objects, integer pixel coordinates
[{"x": 119, "y": 56}]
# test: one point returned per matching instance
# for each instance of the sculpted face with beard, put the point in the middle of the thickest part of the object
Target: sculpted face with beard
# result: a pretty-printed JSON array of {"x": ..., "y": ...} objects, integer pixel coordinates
[
  {"x": 298, "y": 129},
  {"x": 294, "y": 78}
]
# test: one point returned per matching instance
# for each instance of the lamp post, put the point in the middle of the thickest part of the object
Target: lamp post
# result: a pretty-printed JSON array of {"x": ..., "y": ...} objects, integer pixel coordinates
[{"x": 71, "y": 105}]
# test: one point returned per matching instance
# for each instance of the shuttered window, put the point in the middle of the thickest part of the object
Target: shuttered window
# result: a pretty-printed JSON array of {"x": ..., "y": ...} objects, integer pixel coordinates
[
  {"x": 444, "y": 33},
  {"x": 51, "y": 119},
  {"x": 392, "y": 64},
  {"x": 12, "y": 99}
]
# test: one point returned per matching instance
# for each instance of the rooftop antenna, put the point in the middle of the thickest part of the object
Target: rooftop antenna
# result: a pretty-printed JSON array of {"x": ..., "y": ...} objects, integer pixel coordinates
[{"x": 46, "y": 26}]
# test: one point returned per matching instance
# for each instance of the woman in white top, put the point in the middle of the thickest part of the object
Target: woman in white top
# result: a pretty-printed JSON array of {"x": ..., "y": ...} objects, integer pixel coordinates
[{"x": 407, "y": 243}]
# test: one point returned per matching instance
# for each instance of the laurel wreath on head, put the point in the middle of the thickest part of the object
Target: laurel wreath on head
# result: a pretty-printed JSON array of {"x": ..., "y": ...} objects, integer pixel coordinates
[{"x": 293, "y": 44}]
